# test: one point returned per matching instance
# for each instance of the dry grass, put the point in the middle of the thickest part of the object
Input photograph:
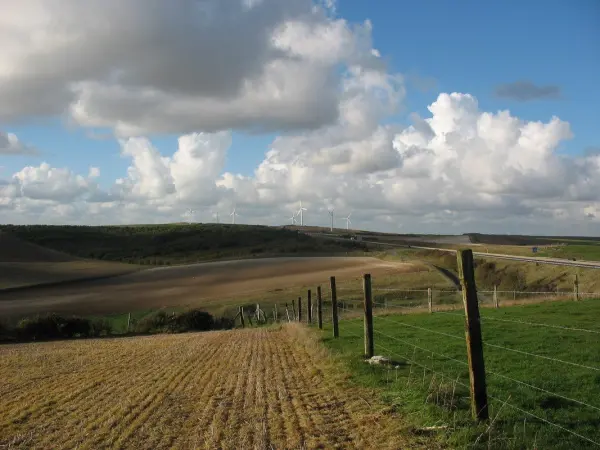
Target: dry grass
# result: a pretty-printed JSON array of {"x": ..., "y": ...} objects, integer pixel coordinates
[{"x": 262, "y": 388}]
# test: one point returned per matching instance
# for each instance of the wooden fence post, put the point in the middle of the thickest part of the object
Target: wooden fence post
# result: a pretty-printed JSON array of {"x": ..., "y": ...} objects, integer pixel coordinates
[
  {"x": 479, "y": 401},
  {"x": 369, "y": 345},
  {"x": 429, "y": 300},
  {"x": 294, "y": 310},
  {"x": 275, "y": 315},
  {"x": 128, "y": 321},
  {"x": 309, "y": 307},
  {"x": 287, "y": 312},
  {"x": 299, "y": 309},
  {"x": 576, "y": 288},
  {"x": 242, "y": 317},
  {"x": 496, "y": 305},
  {"x": 334, "y": 308},
  {"x": 319, "y": 308}
]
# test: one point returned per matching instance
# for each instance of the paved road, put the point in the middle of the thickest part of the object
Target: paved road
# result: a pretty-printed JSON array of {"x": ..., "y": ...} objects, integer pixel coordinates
[{"x": 553, "y": 261}]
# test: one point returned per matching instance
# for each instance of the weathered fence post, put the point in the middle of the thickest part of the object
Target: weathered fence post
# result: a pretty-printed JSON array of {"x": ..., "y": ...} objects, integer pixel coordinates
[
  {"x": 128, "y": 321},
  {"x": 294, "y": 317},
  {"x": 429, "y": 300},
  {"x": 309, "y": 306},
  {"x": 496, "y": 305},
  {"x": 287, "y": 312},
  {"x": 319, "y": 308},
  {"x": 576, "y": 288},
  {"x": 275, "y": 316},
  {"x": 334, "y": 308},
  {"x": 299, "y": 309},
  {"x": 369, "y": 345},
  {"x": 479, "y": 402},
  {"x": 514, "y": 295},
  {"x": 242, "y": 317}
]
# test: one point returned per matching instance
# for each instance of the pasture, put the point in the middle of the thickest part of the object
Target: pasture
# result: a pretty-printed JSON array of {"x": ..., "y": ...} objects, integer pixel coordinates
[
  {"x": 262, "y": 388},
  {"x": 542, "y": 372}
]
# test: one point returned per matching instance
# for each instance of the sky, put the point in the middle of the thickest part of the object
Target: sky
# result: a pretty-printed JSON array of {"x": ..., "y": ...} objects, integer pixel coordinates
[{"x": 413, "y": 117}]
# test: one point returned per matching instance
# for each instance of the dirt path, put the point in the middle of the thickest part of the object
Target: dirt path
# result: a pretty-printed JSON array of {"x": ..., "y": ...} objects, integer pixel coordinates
[{"x": 251, "y": 389}]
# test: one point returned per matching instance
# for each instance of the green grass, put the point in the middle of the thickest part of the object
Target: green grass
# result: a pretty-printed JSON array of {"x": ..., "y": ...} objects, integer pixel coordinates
[{"x": 430, "y": 391}]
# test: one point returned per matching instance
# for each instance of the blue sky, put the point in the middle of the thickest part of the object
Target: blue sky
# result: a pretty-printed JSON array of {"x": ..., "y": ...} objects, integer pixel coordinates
[
  {"x": 467, "y": 46},
  {"x": 536, "y": 59}
]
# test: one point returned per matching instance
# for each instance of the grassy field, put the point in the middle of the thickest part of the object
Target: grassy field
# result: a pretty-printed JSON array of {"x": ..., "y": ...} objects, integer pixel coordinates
[
  {"x": 429, "y": 380},
  {"x": 174, "y": 243},
  {"x": 509, "y": 275},
  {"x": 265, "y": 388}
]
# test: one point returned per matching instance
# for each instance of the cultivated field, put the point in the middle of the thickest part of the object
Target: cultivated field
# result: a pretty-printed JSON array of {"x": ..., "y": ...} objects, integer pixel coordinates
[
  {"x": 262, "y": 388},
  {"x": 200, "y": 285},
  {"x": 25, "y": 264}
]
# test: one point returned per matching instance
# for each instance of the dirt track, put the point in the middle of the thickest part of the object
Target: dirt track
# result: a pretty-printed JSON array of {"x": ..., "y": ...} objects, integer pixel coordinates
[
  {"x": 188, "y": 285},
  {"x": 250, "y": 389}
]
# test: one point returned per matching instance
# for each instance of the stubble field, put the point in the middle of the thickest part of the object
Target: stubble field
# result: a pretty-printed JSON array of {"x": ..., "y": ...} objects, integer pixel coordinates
[{"x": 261, "y": 388}]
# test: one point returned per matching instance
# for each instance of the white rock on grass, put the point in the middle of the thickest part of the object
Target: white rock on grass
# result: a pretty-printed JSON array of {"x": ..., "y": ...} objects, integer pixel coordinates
[{"x": 379, "y": 360}]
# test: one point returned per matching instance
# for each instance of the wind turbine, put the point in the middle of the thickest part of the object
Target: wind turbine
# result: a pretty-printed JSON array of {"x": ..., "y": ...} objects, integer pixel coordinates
[
  {"x": 300, "y": 213},
  {"x": 293, "y": 219},
  {"x": 233, "y": 214},
  {"x": 331, "y": 214},
  {"x": 217, "y": 216},
  {"x": 348, "y": 221},
  {"x": 190, "y": 215}
]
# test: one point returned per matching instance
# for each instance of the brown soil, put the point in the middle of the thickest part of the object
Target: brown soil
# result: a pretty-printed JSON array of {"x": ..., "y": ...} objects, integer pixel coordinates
[
  {"x": 13, "y": 249},
  {"x": 250, "y": 389},
  {"x": 193, "y": 285}
]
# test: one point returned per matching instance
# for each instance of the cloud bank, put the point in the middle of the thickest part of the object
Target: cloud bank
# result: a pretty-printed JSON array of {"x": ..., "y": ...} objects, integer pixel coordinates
[{"x": 203, "y": 69}]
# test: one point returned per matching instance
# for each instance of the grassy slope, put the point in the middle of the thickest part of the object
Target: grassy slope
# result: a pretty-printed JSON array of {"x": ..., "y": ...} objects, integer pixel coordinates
[
  {"x": 439, "y": 400},
  {"x": 173, "y": 243},
  {"x": 511, "y": 275}
]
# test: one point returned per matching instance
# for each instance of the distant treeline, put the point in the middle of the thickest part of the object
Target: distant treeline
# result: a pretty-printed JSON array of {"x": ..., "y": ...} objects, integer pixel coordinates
[{"x": 174, "y": 243}]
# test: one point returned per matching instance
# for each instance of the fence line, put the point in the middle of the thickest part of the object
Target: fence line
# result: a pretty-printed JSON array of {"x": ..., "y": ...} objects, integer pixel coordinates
[
  {"x": 486, "y": 318},
  {"x": 351, "y": 308},
  {"x": 546, "y": 421},
  {"x": 542, "y": 357}
]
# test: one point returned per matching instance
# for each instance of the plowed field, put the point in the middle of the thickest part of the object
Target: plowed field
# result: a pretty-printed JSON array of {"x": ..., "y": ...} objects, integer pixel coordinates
[{"x": 243, "y": 389}]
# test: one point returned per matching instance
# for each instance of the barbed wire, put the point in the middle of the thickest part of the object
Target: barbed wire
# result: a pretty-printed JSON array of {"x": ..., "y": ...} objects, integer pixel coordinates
[
  {"x": 537, "y": 388},
  {"x": 585, "y": 438},
  {"x": 485, "y": 318},
  {"x": 542, "y": 356}
]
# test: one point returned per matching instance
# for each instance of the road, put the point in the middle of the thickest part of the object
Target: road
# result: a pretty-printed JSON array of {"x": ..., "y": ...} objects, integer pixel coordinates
[{"x": 541, "y": 260}]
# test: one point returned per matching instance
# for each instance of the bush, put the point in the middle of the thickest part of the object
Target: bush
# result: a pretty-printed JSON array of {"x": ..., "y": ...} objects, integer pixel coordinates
[
  {"x": 100, "y": 327},
  {"x": 195, "y": 320},
  {"x": 192, "y": 320},
  {"x": 40, "y": 327},
  {"x": 53, "y": 326}
]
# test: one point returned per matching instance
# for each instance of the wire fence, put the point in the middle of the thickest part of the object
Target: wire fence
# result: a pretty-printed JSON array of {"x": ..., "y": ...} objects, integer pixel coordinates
[{"x": 539, "y": 371}]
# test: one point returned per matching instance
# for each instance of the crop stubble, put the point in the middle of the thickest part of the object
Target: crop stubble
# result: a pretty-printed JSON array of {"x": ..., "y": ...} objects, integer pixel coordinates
[{"x": 262, "y": 388}]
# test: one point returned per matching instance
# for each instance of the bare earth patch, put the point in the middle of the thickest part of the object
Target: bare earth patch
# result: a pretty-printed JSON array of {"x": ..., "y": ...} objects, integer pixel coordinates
[
  {"x": 193, "y": 285},
  {"x": 261, "y": 388}
]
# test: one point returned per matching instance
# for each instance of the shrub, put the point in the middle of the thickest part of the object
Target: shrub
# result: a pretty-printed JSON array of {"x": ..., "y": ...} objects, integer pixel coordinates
[
  {"x": 100, "y": 327},
  {"x": 40, "y": 327},
  {"x": 153, "y": 323},
  {"x": 195, "y": 319},
  {"x": 53, "y": 326},
  {"x": 75, "y": 326}
]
